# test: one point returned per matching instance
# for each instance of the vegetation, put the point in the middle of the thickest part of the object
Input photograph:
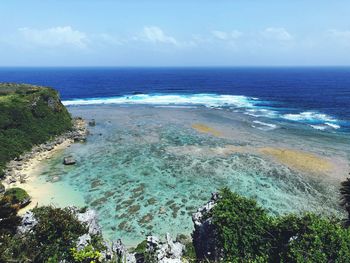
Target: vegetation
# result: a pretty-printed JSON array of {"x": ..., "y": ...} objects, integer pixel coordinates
[
  {"x": 16, "y": 196},
  {"x": 246, "y": 233},
  {"x": 345, "y": 199},
  {"x": 189, "y": 253},
  {"x": 51, "y": 240},
  {"x": 29, "y": 115},
  {"x": 86, "y": 255},
  {"x": 8, "y": 218}
]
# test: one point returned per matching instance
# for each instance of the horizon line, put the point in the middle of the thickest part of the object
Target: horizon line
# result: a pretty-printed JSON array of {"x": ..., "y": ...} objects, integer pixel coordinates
[{"x": 192, "y": 66}]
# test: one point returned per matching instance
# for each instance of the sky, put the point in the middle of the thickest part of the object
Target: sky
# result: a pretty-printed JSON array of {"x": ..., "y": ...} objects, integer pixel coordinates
[{"x": 174, "y": 33}]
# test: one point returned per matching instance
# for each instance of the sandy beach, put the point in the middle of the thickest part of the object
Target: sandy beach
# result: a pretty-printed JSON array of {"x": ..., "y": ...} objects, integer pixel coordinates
[
  {"x": 39, "y": 192},
  {"x": 43, "y": 192}
]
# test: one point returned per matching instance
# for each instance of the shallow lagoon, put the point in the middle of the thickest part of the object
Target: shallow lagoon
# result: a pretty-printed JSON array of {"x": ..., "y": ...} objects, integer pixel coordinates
[{"x": 146, "y": 169}]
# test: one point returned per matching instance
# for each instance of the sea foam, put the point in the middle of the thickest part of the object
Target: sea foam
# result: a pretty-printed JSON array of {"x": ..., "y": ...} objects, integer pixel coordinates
[
  {"x": 208, "y": 100},
  {"x": 268, "y": 126},
  {"x": 309, "y": 116}
]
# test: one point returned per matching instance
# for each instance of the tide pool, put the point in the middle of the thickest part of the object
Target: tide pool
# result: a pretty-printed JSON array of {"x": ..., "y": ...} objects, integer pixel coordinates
[{"x": 146, "y": 169}]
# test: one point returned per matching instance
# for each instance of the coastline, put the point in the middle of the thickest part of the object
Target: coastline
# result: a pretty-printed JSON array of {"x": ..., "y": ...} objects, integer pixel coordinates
[{"x": 23, "y": 171}]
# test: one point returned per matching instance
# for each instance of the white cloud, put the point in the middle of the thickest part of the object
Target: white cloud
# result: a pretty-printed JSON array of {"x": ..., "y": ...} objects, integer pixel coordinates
[
  {"x": 340, "y": 35},
  {"x": 277, "y": 33},
  {"x": 222, "y": 35},
  {"x": 156, "y": 35},
  {"x": 54, "y": 37}
]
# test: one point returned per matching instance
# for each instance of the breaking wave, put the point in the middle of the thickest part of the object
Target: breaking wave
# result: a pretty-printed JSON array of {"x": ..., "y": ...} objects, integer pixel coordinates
[
  {"x": 236, "y": 103},
  {"x": 208, "y": 100}
]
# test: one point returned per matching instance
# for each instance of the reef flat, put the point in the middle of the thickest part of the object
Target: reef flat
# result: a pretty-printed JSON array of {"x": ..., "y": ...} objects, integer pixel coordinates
[{"x": 146, "y": 169}]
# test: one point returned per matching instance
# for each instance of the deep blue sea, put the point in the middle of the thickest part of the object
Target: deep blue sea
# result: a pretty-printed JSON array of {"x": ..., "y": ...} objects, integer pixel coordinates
[{"x": 319, "y": 97}]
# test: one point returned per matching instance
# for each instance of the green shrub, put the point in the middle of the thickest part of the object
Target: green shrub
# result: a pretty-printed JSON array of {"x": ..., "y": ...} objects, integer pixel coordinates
[
  {"x": 141, "y": 247},
  {"x": 242, "y": 226},
  {"x": 8, "y": 218},
  {"x": 86, "y": 255},
  {"x": 189, "y": 253},
  {"x": 309, "y": 238},
  {"x": 55, "y": 234},
  {"x": 247, "y": 233},
  {"x": 16, "y": 195}
]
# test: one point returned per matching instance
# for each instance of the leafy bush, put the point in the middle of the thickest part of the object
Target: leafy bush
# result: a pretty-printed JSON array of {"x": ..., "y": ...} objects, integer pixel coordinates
[
  {"x": 16, "y": 195},
  {"x": 242, "y": 226},
  {"x": 55, "y": 234},
  {"x": 309, "y": 238},
  {"x": 86, "y": 255},
  {"x": 189, "y": 253},
  {"x": 8, "y": 218},
  {"x": 247, "y": 233}
]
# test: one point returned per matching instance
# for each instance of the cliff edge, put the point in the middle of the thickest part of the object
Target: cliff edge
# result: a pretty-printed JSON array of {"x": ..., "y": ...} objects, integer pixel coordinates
[{"x": 29, "y": 115}]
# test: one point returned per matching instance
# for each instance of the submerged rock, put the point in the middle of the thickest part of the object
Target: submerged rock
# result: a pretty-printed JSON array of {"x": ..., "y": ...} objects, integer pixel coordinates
[
  {"x": 92, "y": 122},
  {"x": 69, "y": 160}
]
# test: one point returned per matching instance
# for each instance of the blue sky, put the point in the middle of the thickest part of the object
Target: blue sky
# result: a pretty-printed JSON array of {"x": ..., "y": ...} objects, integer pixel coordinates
[{"x": 174, "y": 33}]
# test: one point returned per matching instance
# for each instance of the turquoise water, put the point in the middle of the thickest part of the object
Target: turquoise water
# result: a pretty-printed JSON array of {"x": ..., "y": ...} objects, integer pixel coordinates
[{"x": 146, "y": 170}]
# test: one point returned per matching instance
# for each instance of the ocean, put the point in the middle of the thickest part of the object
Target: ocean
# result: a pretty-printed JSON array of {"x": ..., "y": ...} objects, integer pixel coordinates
[
  {"x": 316, "y": 96},
  {"x": 165, "y": 138}
]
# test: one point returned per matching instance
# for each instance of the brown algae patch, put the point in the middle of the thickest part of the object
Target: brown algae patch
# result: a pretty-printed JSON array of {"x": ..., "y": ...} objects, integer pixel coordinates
[
  {"x": 303, "y": 161},
  {"x": 200, "y": 127}
]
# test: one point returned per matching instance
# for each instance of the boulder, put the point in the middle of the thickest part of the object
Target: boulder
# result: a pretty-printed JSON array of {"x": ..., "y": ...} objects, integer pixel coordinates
[{"x": 69, "y": 160}]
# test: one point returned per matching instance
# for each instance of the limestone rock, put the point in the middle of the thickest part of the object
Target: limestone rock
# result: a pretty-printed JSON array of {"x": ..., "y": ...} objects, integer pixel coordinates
[
  {"x": 83, "y": 241},
  {"x": 120, "y": 250},
  {"x": 27, "y": 223},
  {"x": 165, "y": 252},
  {"x": 90, "y": 218}
]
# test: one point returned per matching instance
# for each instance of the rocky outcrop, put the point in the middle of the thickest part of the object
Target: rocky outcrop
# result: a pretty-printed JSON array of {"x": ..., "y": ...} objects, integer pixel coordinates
[
  {"x": 164, "y": 252},
  {"x": 122, "y": 253},
  {"x": 83, "y": 241},
  {"x": 27, "y": 223},
  {"x": 90, "y": 218},
  {"x": 204, "y": 236}
]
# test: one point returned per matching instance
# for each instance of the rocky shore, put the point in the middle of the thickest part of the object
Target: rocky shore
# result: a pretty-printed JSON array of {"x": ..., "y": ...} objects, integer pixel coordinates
[
  {"x": 18, "y": 169},
  {"x": 153, "y": 249}
]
